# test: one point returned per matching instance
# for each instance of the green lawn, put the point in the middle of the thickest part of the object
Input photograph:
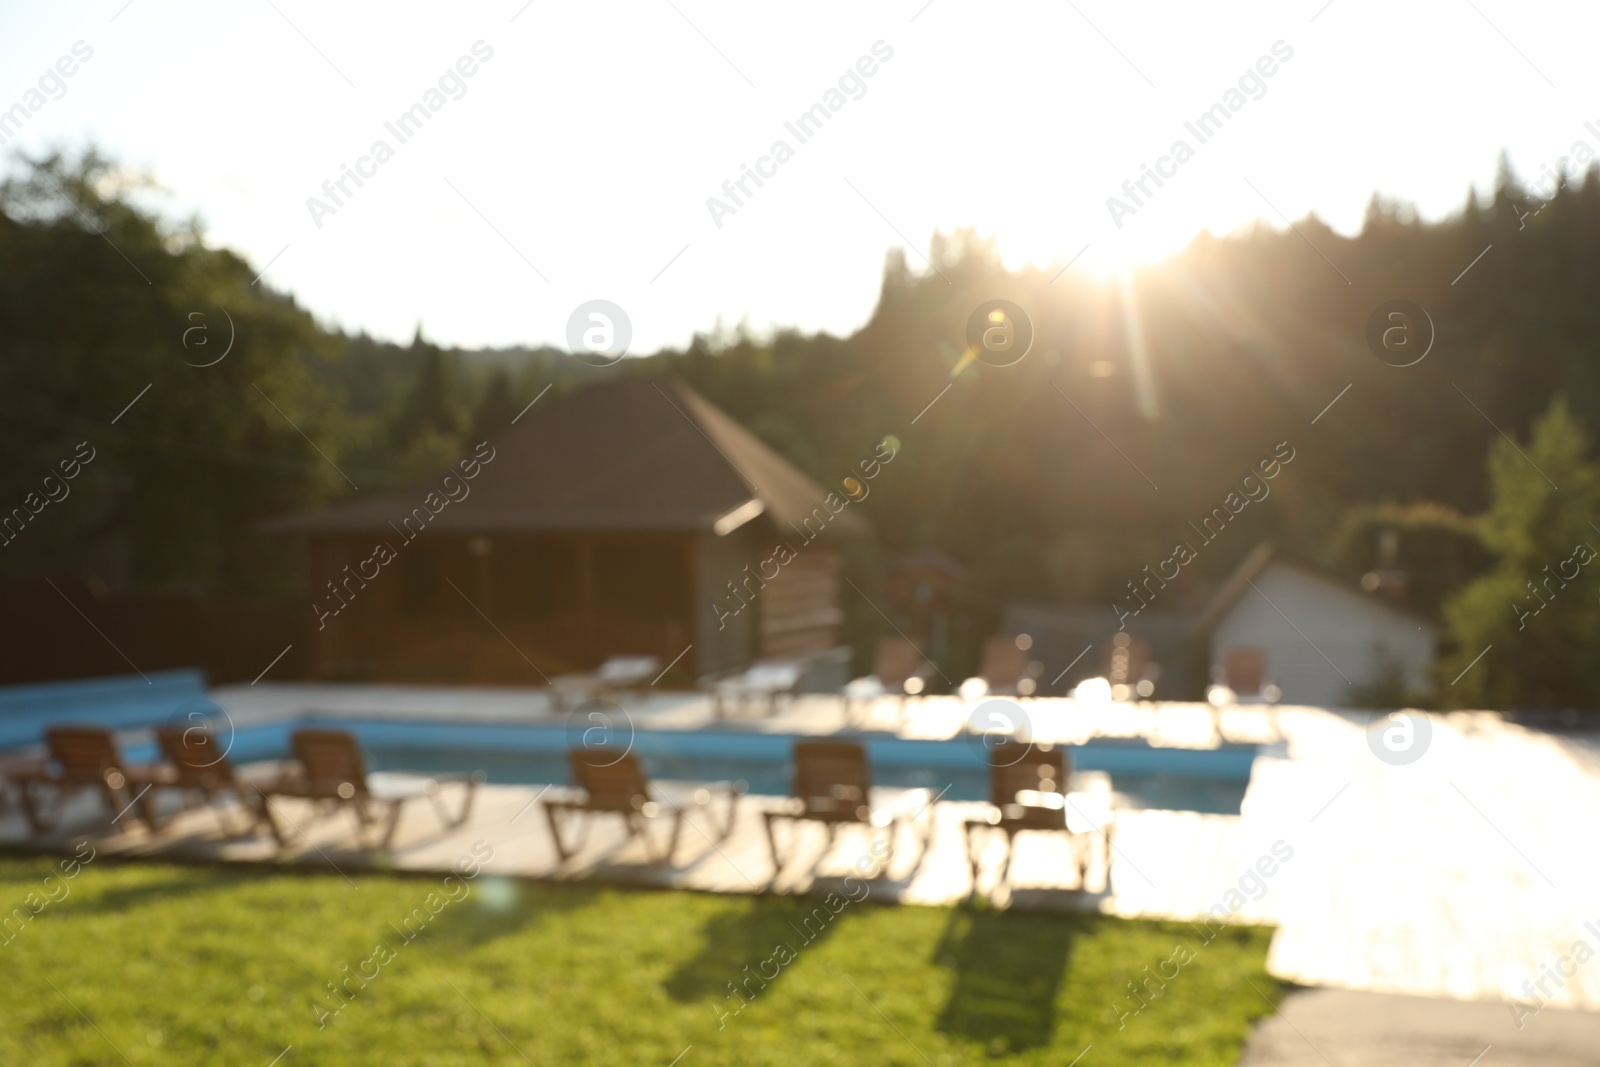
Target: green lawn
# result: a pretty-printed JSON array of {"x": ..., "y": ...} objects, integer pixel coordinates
[{"x": 185, "y": 965}]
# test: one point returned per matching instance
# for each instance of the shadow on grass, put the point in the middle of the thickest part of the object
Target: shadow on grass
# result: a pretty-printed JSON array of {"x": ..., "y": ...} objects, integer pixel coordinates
[
  {"x": 501, "y": 907},
  {"x": 175, "y": 884},
  {"x": 492, "y": 909},
  {"x": 733, "y": 940},
  {"x": 1009, "y": 967}
]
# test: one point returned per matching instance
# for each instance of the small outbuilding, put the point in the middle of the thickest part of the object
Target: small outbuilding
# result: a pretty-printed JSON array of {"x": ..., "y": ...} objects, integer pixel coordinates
[{"x": 1319, "y": 638}]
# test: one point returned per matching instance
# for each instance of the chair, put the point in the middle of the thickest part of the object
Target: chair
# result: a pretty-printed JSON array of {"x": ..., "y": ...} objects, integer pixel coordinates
[
  {"x": 1028, "y": 788},
  {"x": 327, "y": 767},
  {"x": 897, "y": 668},
  {"x": 1126, "y": 665},
  {"x": 766, "y": 680},
  {"x": 13, "y": 770},
  {"x": 84, "y": 758},
  {"x": 617, "y": 785},
  {"x": 196, "y": 766},
  {"x": 1006, "y": 669},
  {"x": 832, "y": 784},
  {"x": 616, "y": 675},
  {"x": 1244, "y": 671}
]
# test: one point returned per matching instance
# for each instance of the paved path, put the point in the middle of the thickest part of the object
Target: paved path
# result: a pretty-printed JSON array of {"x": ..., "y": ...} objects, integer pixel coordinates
[{"x": 1323, "y": 1027}]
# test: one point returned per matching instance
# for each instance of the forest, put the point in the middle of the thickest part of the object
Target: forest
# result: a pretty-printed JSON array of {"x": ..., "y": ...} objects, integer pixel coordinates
[{"x": 1141, "y": 404}]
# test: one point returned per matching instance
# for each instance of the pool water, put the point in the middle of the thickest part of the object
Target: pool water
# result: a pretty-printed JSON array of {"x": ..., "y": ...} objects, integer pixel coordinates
[
  {"x": 1142, "y": 775},
  {"x": 1177, "y": 792}
]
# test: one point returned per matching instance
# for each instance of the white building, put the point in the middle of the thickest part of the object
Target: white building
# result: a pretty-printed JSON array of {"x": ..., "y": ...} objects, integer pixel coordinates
[{"x": 1317, "y": 637}]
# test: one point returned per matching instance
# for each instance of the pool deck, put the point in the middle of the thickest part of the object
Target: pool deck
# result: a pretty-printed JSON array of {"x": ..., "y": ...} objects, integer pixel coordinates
[
  {"x": 1318, "y": 1027},
  {"x": 1463, "y": 875}
]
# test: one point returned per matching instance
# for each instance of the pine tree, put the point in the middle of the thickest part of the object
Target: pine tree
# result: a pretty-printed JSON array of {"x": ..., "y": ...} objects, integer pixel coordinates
[
  {"x": 433, "y": 408},
  {"x": 497, "y": 407}
]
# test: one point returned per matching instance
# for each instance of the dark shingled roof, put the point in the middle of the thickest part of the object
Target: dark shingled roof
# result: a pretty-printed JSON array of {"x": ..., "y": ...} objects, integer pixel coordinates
[{"x": 632, "y": 454}]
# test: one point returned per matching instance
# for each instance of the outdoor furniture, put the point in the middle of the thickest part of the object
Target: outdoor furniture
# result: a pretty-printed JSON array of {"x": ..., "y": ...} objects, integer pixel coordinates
[
  {"x": 1126, "y": 665},
  {"x": 616, "y": 675},
  {"x": 12, "y": 770},
  {"x": 195, "y": 766},
  {"x": 832, "y": 785},
  {"x": 83, "y": 758},
  {"x": 1028, "y": 787},
  {"x": 616, "y": 784},
  {"x": 828, "y": 671},
  {"x": 765, "y": 680},
  {"x": 326, "y": 766},
  {"x": 897, "y": 668},
  {"x": 1244, "y": 671},
  {"x": 1007, "y": 670}
]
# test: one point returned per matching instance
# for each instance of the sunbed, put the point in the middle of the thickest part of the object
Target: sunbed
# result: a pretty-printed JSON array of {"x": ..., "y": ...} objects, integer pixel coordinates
[
  {"x": 763, "y": 681},
  {"x": 615, "y": 783},
  {"x": 832, "y": 783},
  {"x": 84, "y": 758},
  {"x": 618, "y": 674},
  {"x": 196, "y": 766},
  {"x": 1028, "y": 791},
  {"x": 326, "y": 766},
  {"x": 1007, "y": 669},
  {"x": 898, "y": 669}
]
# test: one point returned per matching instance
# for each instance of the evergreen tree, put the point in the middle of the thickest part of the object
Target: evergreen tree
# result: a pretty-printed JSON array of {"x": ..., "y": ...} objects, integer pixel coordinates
[
  {"x": 1536, "y": 610},
  {"x": 497, "y": 408},
  {"x": 433, "y": 409},
  {"x": 193, "y": 387}
]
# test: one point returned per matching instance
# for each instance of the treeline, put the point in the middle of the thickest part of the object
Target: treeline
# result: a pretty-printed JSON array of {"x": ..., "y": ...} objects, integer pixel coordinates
[{"x": 1141, "y": 405}]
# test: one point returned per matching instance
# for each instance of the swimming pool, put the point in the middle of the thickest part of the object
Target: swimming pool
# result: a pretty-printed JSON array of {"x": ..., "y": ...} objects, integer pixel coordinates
[{"x": 1142, "y": 775}]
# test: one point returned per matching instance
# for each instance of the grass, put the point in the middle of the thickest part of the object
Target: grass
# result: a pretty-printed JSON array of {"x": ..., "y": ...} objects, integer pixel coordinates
[{"x": 154, "y": 963}]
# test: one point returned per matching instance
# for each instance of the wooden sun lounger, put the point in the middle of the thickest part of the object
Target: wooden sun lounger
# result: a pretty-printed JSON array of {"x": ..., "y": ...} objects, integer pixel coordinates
[
  {"x": 13, "y": 769},
  {"x": 84, "y": 758},
  {"x": 832, "y": 785},
  {"x": 196, "y": 766},
  {"x": 899, "y": 666},
  {"x": 618, "y": 674},
  {"x": 765, "y": 681},
  {"x": 616, "y": 784},
  {"x": 1007, "y": 669},
  {"x": 1028, "y": 788},
  {"x": 898, "y": 670},
  {"x": 326, "y": 766}
]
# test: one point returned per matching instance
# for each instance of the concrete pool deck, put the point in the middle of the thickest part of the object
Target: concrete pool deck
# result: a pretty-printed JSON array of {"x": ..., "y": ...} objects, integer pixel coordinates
[
  {"x": 1318, "y": 1027},
  {"x": 1464, "y": 875}
]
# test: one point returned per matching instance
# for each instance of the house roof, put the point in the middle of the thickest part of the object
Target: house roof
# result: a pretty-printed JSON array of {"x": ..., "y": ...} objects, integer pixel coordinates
[
  {"x": 1264, "y": 555},
  {"x": 631, "y": 454}
]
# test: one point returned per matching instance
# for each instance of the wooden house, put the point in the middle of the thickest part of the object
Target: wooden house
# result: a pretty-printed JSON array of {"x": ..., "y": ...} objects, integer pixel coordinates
[{"x": 632, "y": 517}]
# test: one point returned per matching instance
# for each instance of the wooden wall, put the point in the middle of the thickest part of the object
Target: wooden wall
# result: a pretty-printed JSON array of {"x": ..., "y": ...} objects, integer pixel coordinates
[
  {"x": 800, "y": 611},
  {"x": 454, "y": 607},
  {"x": 725, "y": 640},
  {"x": 510, "y": 608}
]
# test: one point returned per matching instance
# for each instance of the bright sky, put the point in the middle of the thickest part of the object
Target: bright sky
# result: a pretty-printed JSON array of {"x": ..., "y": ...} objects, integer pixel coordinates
[{"x": 578, "y": 163}]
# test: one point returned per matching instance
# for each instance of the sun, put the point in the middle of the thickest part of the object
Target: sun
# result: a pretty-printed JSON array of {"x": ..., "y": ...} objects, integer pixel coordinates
[
  {"x": 1090, "y": 245},
  {"x": 1119, "y": 253}
]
